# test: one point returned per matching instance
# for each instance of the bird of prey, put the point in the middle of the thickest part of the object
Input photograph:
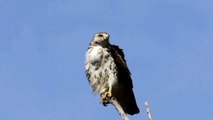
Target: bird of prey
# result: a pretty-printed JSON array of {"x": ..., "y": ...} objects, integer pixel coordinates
[{"x": 108, "y": 74}]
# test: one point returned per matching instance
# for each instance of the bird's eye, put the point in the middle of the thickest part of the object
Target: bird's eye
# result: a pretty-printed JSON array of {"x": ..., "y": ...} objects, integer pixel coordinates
[{"x": 100, "y": 35}]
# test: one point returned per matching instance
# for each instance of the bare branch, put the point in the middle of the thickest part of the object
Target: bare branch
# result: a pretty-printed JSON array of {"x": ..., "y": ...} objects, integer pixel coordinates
[
  {"x": 118, "y": 107},
  {"x": 148, "y": 110}
]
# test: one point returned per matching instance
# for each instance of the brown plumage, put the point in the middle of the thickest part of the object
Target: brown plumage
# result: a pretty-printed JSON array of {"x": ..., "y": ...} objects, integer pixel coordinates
[{"x": 108, "y": 74}]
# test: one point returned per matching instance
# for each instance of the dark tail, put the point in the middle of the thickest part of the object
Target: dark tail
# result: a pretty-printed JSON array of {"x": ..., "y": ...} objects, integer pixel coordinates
[{"x": 128, "y": 102}]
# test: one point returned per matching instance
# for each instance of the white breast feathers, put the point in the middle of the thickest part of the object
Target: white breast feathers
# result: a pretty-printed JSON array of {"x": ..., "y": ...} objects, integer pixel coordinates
[
  {"x": 100, "y": 68},
  {"x": 95, "y": 55}
]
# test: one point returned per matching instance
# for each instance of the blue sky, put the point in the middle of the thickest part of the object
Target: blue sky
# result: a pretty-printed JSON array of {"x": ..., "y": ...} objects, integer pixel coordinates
[{"x": 168, "y": 47}]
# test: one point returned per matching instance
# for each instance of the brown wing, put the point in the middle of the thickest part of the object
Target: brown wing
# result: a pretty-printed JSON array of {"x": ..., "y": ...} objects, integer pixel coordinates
[{"x": 124, "y": 95}]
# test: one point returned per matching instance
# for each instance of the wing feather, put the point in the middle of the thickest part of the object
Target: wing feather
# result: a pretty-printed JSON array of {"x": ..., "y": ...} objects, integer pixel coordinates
[
  {"x": 124, "y": 93},
  {"x": 124, "y": 74}
]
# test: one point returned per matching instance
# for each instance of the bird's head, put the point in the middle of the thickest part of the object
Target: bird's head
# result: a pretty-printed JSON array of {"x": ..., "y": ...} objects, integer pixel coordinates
[{"x": 101, "y": 38}]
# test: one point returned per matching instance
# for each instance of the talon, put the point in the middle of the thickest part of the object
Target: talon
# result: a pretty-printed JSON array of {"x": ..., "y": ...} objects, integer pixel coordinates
[
  {"x": 106, "y": 96},
  {"x": 104, "y": 99},
  {"x": 104, "y": 102}
]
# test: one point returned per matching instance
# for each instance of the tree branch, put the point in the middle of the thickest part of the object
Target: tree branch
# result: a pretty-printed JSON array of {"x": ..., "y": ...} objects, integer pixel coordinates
[
  {"x": 118, "y": 107},
  {"x": 148, "y": 110}
]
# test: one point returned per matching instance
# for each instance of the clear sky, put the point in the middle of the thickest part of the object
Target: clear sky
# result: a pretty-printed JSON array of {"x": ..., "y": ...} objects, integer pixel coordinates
[{"x": 168, "y": 46}]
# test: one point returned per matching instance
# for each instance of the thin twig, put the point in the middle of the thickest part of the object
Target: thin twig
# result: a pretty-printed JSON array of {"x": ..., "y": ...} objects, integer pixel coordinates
[
  {"x": 148, "y": 110},
  {"x": 118, "y": 107}
]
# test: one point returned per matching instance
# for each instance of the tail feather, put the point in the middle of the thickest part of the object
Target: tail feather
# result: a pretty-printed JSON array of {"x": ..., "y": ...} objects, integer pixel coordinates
[{"x": 128, "y": 102}]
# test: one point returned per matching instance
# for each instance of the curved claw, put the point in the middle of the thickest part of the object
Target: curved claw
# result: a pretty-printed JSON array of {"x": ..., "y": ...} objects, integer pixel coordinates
[
  {"x": 106, "y": 96},
  {"x": 104, "y": 102}
]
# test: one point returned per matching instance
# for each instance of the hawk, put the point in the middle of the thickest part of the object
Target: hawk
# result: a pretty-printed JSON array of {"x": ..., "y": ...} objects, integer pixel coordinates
[{"x": 108, "y": 74}]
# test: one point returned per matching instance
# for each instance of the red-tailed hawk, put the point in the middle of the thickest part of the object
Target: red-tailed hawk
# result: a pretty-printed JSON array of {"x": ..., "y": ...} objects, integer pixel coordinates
[{"x": 108, "y": 74}]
